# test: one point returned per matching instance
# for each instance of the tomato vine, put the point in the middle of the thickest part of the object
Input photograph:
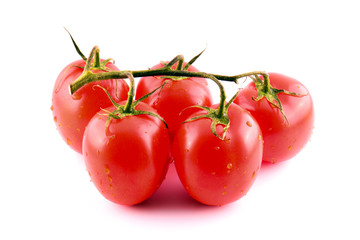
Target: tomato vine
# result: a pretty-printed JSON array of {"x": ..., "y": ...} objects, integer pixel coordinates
[
  {"x": 115, "y": 134},
  {"x": 219, "y": 116}
]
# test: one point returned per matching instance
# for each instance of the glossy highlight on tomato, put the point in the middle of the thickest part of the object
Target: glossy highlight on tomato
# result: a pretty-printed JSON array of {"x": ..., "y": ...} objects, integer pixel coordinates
[
  {"x": 73, "y": 112},
  {"x": 175, "y": 96},
  {"x": 283, "y": 138},
  {"x": 128, "y": 159},
  {"x": 215, "y": 171}
]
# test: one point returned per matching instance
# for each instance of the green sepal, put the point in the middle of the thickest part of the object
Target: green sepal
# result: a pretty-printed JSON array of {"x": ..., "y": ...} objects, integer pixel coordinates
[
  {"x": 215, "y": 120},
  {"x": 109, "y": 96},
  {"x": 103, "y": 65},
  {"x": 137, "y": 112},
  {"x": 193, "y": 60},
  {"x": 120, "y": 112},
  {"x": 149, "y": 94},
  {"x": 265, "y": 90},
  {"x": 76, "y": 47},
  {"x": 180, "y": 60}
]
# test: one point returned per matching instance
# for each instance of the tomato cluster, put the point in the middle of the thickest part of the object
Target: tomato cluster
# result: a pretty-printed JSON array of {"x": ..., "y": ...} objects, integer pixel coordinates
[{"x": 129, "y": 139}]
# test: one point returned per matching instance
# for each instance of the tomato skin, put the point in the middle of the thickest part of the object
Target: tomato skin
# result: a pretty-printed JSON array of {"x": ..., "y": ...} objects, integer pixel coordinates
[
  {"x": 175, "y": 96},
  {"x": 282, "y": 140},
  {"x": 73, "y": 112},
  {"x": 214, "y": 171},
  {"x": 128, "y": 161}
]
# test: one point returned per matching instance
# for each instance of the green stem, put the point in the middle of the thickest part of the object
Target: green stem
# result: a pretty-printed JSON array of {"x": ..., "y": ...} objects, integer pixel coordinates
[
  {"x": 131, "y": 93},
  {"x": 94, "y": 51},
  {"x": 97, "y": 62},
  {"x": 248, "y": 74},
  {"x": 89, "y": 77},
  {"x": 267, "y": 85},
  {"x": 221, "y": 110}
]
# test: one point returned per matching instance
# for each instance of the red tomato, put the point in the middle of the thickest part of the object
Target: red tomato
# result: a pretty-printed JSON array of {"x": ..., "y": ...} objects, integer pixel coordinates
[
  {"x": 175, "y": 96},
  {"x": 128, "y": 160},
  {"x": 215, "y": 171},
  {"x": 73, "y": 112},
  {"x": 282, "y": 139}
]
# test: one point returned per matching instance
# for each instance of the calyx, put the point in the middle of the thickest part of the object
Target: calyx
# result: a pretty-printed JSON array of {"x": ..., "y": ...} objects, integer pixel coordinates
[{"x": 128, "y": 109}]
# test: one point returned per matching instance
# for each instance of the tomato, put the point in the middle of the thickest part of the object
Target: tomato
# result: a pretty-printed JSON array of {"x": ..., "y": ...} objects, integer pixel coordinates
[
  {"x": 73, "y": 112},
  {"x": 127, "y": 160},
  {"x": 175, "y": 96},
  {"x": 215, "y": 171},
  {"x": 283, "y": 139}
]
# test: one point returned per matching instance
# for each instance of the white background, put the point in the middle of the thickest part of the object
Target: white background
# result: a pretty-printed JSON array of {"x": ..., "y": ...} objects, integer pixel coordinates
[{"x": 45, "y": 189}]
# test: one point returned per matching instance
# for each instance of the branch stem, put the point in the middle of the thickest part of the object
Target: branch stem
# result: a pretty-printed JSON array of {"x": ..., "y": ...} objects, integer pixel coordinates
[
  {"x": 89, "y": 77},
  {"x": 131, "y": 93}
]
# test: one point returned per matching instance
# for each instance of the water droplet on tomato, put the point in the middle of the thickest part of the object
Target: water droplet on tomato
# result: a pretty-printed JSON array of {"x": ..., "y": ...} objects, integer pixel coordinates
[
  {"x": 112, "y": 137},
  {"x": 217, "y": 148},
  {"x": 249, "y": 123},
  {"x": 229, "y": 166},
  {"x": 181, "y": 91},
  {"x": 156, "y": 102}
]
